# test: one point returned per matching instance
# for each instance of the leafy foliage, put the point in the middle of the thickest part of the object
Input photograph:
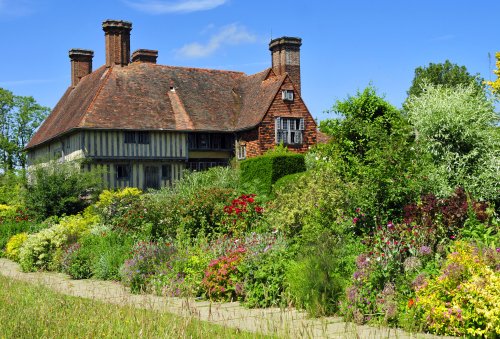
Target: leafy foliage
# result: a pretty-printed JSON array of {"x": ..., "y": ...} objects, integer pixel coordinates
[
  {"x": 265, "y": 170},
  {"x": 316, "y": 281},
  {"x": 19, "y": 118},
  {"x": 60, "y": 188},
  {"x": 495, "y": 85},
  {"x": 372, "y": 149},
  {"x": 456, "y": 126},
  {"x": 445, "y": 74},
  {"x": 14, "y": 244},
  {"x": 43, "y": 250},
  {"x": 463, "y": 299}
]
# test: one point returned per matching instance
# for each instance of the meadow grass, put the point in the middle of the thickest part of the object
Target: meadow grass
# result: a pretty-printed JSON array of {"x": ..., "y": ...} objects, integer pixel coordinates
[{"x": 30, "y": 311}]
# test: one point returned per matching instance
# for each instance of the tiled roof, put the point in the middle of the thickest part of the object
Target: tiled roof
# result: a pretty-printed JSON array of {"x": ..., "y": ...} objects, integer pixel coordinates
[{"x": 145, "y": 96}]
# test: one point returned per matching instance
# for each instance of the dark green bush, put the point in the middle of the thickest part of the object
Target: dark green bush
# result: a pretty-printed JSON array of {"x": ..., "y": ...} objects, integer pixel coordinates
[
  {"x": 58, "y": 189},
  {"x": 193, "y": 214},
  {"x": 265, "y": 170}
]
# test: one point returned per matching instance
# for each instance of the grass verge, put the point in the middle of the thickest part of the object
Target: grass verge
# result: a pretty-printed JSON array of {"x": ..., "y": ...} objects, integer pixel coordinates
[{"x": 29, "y": 311}]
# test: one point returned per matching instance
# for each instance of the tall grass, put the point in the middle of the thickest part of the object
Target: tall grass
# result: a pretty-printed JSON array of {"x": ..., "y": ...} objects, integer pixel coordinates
[{"x": 28, "y": 311}]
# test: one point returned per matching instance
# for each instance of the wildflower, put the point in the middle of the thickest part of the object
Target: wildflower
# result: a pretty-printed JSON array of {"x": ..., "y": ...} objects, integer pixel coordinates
[{"x": 411, "y": 302}]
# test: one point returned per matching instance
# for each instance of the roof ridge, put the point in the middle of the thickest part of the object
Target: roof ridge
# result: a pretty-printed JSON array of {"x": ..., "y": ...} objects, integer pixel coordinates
[
  {"x": 96, "y": 95},
  {"x": 201, "y": 69}
]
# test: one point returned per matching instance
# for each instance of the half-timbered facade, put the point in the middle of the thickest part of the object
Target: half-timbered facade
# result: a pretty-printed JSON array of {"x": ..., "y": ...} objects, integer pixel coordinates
[{"x": 142, "y": 123}]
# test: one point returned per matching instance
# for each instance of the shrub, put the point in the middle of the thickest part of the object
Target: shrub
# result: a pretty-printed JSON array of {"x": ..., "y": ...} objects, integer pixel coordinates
[
  {"x": 463, "y": 300},
  {"x": 43, "y": 250},
  {"x": 98, "y": 254},
  {"x": 263, "y": 273},
  {"x": 57, "y": 189},
  {"x": 309, "y": 206},
  {"x": 136, "y": 272},
  {"x": 183, "y": 272},
  {"x": 193, "y": 215},
  {"x": 317, "y": 280},
  {"x": 76, "y": 261},
  {"x": 458, "y": 128},
  {"x": 242, "y": 215},
  {"x": 222, "y": 281},
  {"x": 9, "y": 228},
  {"x": 14, "y": 244},
  {"x": 267, "y": 169}
]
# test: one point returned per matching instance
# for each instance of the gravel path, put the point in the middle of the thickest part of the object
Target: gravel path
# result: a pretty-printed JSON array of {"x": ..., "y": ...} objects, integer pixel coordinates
[{"x": 288, "y": 323}]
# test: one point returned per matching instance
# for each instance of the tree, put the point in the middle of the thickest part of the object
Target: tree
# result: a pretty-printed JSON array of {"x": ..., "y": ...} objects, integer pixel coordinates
[
  {"x": 61, "y": 188},
  {"x": 20, "y": 116},
  {"x": 372, "y": 148},
  {"x": 457, "y": 127},
  {"x": 495, "y": 85},
  {"x": 446, "y": 74}
]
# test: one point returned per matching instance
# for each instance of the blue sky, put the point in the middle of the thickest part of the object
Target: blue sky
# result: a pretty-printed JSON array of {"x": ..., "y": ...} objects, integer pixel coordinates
[{"x": 346, "y": 44}]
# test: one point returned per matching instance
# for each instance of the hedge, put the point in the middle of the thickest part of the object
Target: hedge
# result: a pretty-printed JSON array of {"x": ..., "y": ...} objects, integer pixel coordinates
[{"x": 264, "y": 171}]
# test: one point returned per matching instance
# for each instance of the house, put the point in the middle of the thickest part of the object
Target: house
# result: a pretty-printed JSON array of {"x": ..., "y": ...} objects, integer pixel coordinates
[{"x": 144, "y": 123}]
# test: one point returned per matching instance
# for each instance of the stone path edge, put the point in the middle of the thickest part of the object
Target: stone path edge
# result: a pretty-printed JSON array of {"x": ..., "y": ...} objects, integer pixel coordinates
[{"x": 286, "y": 323}]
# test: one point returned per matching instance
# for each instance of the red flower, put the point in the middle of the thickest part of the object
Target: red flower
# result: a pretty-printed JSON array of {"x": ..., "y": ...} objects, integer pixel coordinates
[{"x": 411, "y": 302}]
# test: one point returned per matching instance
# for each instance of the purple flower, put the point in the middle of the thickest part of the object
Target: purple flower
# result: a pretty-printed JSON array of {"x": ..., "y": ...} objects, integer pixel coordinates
[
  {"x": 425, "y": 250},
  {"x": 390, "y": 224}
]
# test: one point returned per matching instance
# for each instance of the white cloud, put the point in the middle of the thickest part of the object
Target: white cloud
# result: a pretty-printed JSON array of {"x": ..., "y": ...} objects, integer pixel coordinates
[
  {"x": 180, "y": 6},
  {"x": 233, "y": 34}
]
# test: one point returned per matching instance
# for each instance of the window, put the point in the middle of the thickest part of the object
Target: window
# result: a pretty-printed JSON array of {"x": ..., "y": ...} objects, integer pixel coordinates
[
  {"x": 242, "y": 151},
  {"x": 166, "y": 172},
  {"x": 210, "y": 141},
  {"x": 122, "y": 172},
  {"x": 137, "y": 137},
  {"x": 130, "y": 137},
  {"x": 287, "y": 95},
  {"x": 143, "y": 137},
  {"x": 289, "y": 131}
]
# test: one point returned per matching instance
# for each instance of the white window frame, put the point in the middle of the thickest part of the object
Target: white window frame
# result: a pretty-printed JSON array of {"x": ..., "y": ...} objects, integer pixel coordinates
[
  {"x": 241, "y": 149},
  {"x": 287, "y": 95},
  {"x": 289, "y": 131}
]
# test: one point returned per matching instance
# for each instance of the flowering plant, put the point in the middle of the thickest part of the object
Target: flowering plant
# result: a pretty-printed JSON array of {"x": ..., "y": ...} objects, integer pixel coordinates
[
  {"x": 222, "y": 280},
  {"x": 464, "y": 300},
  {"x": 242, "y": 214}
]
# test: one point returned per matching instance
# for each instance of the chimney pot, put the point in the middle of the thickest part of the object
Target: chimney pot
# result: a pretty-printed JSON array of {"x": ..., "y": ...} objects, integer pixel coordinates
[
  {"x": 117, "y": 38},
  {"x": 81, "y": 64},
  {"x": 145, "y": 56}
]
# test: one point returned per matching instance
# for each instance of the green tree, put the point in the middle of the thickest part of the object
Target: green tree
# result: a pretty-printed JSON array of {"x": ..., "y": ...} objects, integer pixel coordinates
[
  {"x": 372, "y": 149},
  {"x": 458, "y": 128},
  {"x": 446, "y": 74},
  {"x": 20, "y": 116},
  {"x": 60, "y": 188}
]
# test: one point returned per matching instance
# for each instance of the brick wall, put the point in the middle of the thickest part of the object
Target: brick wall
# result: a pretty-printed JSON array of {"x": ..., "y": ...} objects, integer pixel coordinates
[{"x": 263, "y": 137}]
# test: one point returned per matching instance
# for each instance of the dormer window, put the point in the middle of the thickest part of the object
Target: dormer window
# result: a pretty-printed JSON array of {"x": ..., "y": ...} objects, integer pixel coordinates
[{"x": 287, "y": 95}]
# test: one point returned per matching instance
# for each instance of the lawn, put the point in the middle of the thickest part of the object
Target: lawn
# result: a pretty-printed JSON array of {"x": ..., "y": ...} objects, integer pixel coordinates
[{"x": 28, "y": 311}]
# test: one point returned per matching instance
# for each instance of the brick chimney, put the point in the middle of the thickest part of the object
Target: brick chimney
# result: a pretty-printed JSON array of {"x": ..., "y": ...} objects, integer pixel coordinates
[
  {"x": 81, "y": 64},
  {"x": 117, "y": 36},
  {"x": 145, "y": 55},
  {"x": 285, "y": 54}
]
